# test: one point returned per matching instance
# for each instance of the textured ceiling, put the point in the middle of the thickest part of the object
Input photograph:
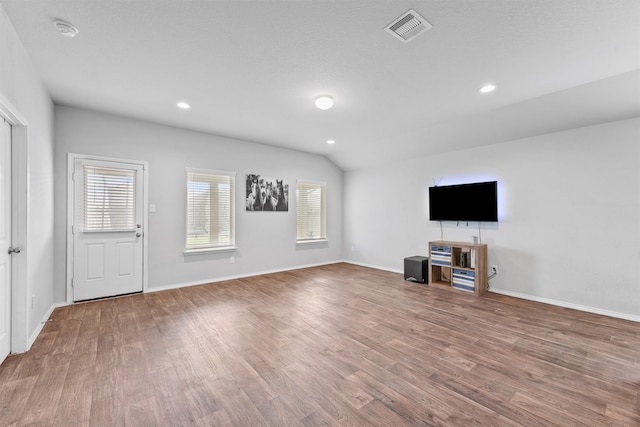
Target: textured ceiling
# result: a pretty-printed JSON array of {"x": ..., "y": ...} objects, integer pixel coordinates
[{"x": 251, "y": 69}]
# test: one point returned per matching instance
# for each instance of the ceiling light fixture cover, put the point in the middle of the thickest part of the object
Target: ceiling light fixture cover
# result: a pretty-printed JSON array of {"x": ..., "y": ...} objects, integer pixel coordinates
[
  {"x": 324, "y": 102},
  {"x": 408, "y": 26},
  {"x": 65, "y": 28},
  {"x": 487, "y": 88},
  {"x": 331, "y": 141},
  {"x": 183, "y": 105}
]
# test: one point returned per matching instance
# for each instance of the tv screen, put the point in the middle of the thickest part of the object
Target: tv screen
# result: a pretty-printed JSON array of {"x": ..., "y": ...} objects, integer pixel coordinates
[{"x": 464, "y": 202}]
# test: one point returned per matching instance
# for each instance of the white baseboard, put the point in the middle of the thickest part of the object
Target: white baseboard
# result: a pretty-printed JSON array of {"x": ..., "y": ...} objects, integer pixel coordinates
[
  {"x": 532, "y": 298},
  {"x": 43, "y": 322},
  {"x": 564, "y": 304},
  {"x": 374, "y": 266},
  {"x": 239, "y": 276},
  {"x": 567, "y": 305}
]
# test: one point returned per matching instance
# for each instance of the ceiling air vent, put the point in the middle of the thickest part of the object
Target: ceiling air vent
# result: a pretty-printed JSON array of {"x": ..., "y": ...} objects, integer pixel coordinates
[{"x": 408, "y": 26}]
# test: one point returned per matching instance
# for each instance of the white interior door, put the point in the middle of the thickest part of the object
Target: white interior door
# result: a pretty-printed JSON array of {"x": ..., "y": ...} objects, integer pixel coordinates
[
  {"x": 5, "y": 239},
  {"x": 107, "y": 228}
]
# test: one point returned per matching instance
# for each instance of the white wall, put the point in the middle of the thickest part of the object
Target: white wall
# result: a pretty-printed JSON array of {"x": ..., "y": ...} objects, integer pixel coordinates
[
  {"x": 266, "y": 240},
  {"x": 569, "y": 231},
  {"x": 21, "y": 87}
]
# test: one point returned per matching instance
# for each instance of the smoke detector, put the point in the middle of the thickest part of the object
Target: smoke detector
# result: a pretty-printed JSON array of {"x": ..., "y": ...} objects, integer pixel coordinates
[
  {"x": 65, "y": 28},
  {"x": 408, "y": 26}
]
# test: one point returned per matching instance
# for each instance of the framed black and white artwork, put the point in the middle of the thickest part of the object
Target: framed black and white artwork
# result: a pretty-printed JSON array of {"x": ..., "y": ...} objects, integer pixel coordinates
[{"x": 266, "y": 194}]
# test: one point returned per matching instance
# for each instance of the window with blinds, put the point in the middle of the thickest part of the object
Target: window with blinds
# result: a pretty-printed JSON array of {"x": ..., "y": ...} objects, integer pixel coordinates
[
  {"x": 210, "y": 209},
  {"x": 311, "y": 210},
  {"x": 109, "y": 199}
]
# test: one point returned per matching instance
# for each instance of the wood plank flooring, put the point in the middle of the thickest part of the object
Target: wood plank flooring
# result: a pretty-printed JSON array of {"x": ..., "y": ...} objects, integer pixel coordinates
[{"x": 335, "y": 345}]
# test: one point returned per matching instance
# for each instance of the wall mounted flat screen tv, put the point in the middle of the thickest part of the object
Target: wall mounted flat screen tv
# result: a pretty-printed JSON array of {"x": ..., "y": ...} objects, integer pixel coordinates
[{"x": 464, "y": 202}]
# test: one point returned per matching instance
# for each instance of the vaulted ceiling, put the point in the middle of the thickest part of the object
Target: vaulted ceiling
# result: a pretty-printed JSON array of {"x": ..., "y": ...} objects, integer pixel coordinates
[{"x": 252, "y": 69}]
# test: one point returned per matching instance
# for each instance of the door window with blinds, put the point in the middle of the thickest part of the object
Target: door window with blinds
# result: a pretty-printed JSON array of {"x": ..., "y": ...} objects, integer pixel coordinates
[
  {"x": 109, "y": 199},
  {"x": 311, "y": 211},
  {"x": 210, "y": 210}
]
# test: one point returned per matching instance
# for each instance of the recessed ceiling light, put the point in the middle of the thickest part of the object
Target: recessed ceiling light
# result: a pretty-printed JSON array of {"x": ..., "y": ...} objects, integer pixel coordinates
[
  {"x": 331, "y": 141},
  {"x": 183, "y": 105},
  {"x": 324, "y": 102},
  {"x": 487, "y": 88},
  {"x": 65, "y": 28}
]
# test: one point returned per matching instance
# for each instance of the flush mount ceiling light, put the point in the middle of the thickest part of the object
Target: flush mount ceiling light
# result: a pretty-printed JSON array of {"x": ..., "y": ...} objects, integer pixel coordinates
[
  {"x": 183, "y": 105},
  {"x": 324, "y": 102},
  {"x": 331, "y": 141},
  {"x": 487, "y": 88},
  {"x": 65, "y": 28}
]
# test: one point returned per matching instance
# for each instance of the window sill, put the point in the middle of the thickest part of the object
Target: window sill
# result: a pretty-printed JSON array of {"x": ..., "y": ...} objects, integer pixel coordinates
[
  {"x": 221, "y": 249},
  {"x": 312, "y": 242}
]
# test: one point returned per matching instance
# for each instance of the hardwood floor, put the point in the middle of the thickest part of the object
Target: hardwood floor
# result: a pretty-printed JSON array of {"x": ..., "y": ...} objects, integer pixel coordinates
[{"x": 332, "y": 345}]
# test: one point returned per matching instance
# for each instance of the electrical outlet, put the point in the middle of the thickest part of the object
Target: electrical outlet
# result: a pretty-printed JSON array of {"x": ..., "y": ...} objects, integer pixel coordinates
[
  {"x": 353, "y": 248},
  {"x": 494, "y": 268},
  {"x": 232, "y": 260}
]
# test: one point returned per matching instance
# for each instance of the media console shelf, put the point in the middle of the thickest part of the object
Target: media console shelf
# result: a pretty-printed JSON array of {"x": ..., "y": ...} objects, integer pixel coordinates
[{"x": 459, "y": 265}]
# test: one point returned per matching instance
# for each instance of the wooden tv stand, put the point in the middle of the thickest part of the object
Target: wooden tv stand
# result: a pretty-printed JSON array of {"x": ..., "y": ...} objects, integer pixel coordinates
[{"x": 449, "y": 266}]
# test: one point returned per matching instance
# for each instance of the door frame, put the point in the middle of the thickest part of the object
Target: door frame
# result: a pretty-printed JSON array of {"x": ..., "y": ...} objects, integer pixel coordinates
[
  {"x": 71, "y": 159},
  {"x": 19, "y": 214}
]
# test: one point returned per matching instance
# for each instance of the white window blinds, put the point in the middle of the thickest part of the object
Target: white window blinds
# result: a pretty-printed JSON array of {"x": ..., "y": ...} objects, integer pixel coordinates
[
  {"x": 210, "y": 209},
  {"x": 311, "y": 210},
  {"x": 109, "y": 199}
]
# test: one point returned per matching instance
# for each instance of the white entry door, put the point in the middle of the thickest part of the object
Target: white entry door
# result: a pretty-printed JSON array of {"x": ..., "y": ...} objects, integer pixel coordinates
[
  {"x": 107, "y": 228},
  {"x": 5, "y": 239}
]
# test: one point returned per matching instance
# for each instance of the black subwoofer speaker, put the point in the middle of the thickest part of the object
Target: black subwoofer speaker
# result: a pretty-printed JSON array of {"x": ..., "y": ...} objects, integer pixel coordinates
[{"x": 416, "y": 269}]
